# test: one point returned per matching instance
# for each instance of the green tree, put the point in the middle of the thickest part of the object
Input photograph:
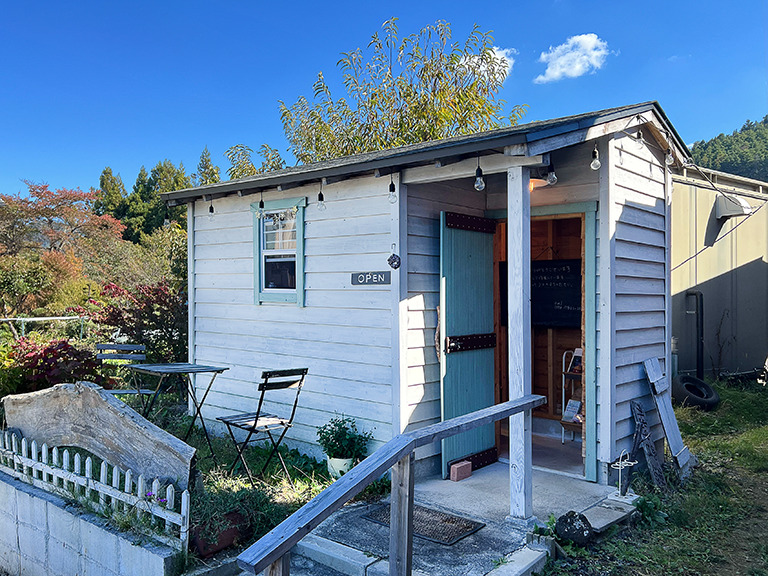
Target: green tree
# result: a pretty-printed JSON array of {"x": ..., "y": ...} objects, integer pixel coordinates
[
  {"x": 144, "y": 211},
  {"x": 111, "y": 195},
  {"x": 418, "y": 88},
  {"x": 22, "y": 279},
  {"x": 744, "y": 152},
  {"x": 207, "y": 172}
]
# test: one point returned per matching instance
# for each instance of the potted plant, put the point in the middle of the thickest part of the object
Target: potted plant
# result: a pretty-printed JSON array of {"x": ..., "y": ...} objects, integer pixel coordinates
[{"x": 343, "y": 444}]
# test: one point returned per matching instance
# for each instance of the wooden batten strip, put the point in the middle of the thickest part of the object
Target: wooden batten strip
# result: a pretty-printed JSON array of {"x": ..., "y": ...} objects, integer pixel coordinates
[{"x": 103, "y": 480}]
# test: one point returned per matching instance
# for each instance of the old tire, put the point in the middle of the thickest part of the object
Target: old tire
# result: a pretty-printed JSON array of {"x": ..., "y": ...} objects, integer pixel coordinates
[{"x": 691, "y": 391}]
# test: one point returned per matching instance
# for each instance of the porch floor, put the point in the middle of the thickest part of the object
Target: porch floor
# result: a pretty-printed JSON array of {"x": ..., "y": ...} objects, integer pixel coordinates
[{"x": 484, "y": 497}]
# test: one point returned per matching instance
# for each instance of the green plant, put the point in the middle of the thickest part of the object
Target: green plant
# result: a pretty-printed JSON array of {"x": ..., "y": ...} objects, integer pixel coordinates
[
  {"x": 28, "y": 366},
  {"x": 340, "y": 438},
  {"x": 224, "y": 495},
  {"x": 649, "y": 507},
  {"x": 155, "y": 315}
]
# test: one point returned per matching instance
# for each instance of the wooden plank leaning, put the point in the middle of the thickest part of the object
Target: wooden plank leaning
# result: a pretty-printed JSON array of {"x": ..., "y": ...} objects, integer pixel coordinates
[{"x": 662, "y": 396}]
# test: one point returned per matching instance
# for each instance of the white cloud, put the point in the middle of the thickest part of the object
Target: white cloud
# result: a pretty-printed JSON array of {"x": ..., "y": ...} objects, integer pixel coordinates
[
  {"x": 577, "y": 56},
  {"x": 508, "y": 55}
]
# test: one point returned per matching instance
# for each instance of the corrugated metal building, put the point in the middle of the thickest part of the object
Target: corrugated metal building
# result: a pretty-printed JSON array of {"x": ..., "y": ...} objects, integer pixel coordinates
[{"x": 725, "y": 259}]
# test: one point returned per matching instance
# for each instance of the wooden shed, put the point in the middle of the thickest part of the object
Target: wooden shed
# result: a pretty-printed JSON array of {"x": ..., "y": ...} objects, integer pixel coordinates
[{"x": 564, "y": 249}]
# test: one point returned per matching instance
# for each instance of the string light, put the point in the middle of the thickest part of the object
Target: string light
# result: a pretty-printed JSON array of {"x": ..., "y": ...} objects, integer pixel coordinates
[
  {"x": 595, "y": 164},
  {"x": 639, "y": 139},
  {"x": 392, "y": 197},
  {"x": 321, "y": 199},
  {"x": 479, "y": 182},
  {"x": 551, "y": 176},
  {"x": 669, "y": 159}
]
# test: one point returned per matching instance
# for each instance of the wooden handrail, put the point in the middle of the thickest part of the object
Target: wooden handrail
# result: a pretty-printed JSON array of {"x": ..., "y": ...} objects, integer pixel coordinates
[{"x": 398, "y": 452}]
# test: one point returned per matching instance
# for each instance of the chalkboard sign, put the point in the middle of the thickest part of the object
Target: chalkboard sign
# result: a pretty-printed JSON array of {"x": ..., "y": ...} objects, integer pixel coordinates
[{"x": 556, "y": 293}]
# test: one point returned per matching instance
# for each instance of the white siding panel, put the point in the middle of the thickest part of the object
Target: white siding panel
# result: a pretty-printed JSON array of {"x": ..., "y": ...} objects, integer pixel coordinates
[
  {"x": 425, "y": 202},
  {"x": 640, "y": 265},
  {"x": 343, "y": 334}
]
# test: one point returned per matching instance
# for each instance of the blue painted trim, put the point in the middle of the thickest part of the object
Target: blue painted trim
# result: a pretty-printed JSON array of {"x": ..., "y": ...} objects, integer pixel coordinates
[
  {"x": 575, "y": 208},
  {"x": 261, "y": 296},
  {"x": 589, "y": 209}
]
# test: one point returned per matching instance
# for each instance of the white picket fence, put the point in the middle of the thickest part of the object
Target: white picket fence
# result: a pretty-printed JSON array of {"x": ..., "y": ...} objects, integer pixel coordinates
[{"x": 153, "y": 503}]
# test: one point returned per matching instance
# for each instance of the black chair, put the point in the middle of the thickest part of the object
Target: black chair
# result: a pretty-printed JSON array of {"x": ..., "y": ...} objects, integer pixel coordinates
[
  {"x": 261, "y": 425},
  {"x": 133, "y": 353}
]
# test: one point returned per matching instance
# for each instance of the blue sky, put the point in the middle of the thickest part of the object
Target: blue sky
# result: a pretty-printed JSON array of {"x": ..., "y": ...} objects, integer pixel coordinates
[{"x": 86, "y": 84}]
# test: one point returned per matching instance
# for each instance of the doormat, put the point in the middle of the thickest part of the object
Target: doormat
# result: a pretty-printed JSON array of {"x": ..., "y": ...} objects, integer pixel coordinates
[{"x": 431, "y": 525}]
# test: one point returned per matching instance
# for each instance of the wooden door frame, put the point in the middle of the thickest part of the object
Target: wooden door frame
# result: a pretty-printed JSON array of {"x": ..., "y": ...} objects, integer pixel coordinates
[{"x": 589, "y": 212}]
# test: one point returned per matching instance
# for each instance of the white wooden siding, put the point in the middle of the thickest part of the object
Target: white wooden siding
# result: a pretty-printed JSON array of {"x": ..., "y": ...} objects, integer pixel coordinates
[
  {"x": 343, "y": 334},
  {"x": 638, "y": 205}
]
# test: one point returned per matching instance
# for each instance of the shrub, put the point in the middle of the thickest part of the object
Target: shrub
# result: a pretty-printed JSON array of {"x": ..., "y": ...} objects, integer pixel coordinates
[
  {"x": 29, "y": 366},
  {"x": 154, "y": 315}
]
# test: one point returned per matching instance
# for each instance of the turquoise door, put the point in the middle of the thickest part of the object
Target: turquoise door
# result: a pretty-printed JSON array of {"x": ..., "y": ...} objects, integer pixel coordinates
[{"x": 466, "y": 329}]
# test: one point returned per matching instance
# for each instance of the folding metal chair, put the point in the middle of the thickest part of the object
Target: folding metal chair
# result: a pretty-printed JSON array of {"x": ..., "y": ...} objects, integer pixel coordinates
[
  {"x": 129, "y": 352},
  {"x": 261, "y": 423}
]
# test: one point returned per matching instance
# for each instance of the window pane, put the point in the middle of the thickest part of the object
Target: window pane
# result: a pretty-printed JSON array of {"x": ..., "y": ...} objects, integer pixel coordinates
[
  {"x": 280, "y": 272},
  {"x": 280, "y": 231}
]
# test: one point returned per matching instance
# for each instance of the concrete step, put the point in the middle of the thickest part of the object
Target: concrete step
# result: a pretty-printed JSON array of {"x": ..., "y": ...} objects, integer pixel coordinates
[
  {"x": 609, "y": 512},
  {"x": 523, "y": 562},
  {"x": 351, "y": 562}
]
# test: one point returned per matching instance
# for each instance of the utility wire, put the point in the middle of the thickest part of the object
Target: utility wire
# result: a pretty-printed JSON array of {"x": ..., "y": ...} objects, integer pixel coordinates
[{"x": 721, "y": 237}]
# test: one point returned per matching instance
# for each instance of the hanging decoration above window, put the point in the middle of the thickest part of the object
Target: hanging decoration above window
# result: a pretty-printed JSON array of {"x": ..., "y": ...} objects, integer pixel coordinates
[{"x": 280, "y": 216}]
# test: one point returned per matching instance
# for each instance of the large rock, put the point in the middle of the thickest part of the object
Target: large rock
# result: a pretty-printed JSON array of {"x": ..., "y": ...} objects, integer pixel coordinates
[
  {"x": 574, "y": 527},
  {"x": 84, "y": 415}
]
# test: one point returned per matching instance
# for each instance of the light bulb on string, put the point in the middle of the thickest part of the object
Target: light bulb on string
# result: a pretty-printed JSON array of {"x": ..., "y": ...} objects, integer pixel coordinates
[
  {"x": 211, "y": 210},
  {"x": 261, "y": 204},
  {"x": 595, "y": 164},
  {"x": 669, "y": 159},
  {"x": 321, "y": 199},
  {"x": 551, "y": 176},
  {"x": 639, "y": 139},
  {"x": 479, "y": 182},
  {"x": 392, "y": 197}
]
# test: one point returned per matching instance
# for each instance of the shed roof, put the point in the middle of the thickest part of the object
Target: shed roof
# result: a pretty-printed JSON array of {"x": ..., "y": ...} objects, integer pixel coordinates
[{"x": 395, "y": 159}]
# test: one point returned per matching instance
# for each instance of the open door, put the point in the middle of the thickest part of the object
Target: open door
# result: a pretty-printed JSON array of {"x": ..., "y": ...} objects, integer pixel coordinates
[{"x": 467, "y": 336}]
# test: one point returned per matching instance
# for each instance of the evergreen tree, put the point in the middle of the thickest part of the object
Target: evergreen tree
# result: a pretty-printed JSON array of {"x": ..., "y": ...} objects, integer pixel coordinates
[
  {"x": 111, "y": 194},
  {"x": 144, "y": 211},
  {"x": 207, "y": 172},
  {"x": 744, "y": 152}
]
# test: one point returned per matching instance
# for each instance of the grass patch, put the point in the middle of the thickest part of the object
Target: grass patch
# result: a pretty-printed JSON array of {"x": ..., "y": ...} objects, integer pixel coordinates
[
  {"x": 717, "y": 523},
  {"x": 271, "y": 500}
]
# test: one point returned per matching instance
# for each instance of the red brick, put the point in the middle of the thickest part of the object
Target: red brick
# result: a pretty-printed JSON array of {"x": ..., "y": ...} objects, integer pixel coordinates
[{"x": 461, "y": 470}]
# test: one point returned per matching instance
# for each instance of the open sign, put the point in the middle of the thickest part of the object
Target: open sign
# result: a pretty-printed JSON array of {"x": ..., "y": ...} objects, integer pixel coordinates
[{"x": 369, "y": 278}]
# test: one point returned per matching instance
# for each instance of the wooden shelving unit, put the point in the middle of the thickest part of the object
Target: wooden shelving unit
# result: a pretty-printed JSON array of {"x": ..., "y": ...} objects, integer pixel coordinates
[{"x": 572, "y": 379}]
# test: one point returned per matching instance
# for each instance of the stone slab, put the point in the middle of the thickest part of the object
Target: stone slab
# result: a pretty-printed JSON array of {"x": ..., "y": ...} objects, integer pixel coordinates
[{"x": 607, "y": 513}]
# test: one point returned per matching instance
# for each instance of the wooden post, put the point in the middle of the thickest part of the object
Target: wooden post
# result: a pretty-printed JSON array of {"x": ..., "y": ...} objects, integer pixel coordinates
[
  {"x": 519, "y": 322},
  {"x": 401, "y": 518},
  {"x": 281, "y": 566}
]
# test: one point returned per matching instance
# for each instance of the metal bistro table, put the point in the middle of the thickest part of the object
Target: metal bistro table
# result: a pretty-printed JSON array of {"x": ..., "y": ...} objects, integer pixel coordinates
[{"x": 163, "y": 371}]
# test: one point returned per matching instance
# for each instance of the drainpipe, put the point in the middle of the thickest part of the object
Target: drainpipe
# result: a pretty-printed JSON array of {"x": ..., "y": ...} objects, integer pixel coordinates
[{"x": 699, "y": 331}]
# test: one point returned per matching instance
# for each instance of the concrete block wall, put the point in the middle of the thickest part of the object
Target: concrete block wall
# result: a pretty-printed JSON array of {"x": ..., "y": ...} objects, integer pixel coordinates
[{"x": 42, "y": 535}]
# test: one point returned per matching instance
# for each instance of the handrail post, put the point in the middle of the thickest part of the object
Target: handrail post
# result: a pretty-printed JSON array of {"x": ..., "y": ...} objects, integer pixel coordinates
[
  {"x": 401, "y": 518},
  {"x": 281, "y": 566}
]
